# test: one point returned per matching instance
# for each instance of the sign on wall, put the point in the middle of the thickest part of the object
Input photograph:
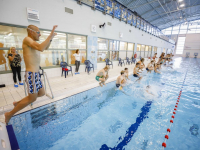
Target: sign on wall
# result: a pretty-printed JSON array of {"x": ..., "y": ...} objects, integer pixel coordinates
[
  {"x": 32, "y": 14},
  {"x": 93, "y": 28}
]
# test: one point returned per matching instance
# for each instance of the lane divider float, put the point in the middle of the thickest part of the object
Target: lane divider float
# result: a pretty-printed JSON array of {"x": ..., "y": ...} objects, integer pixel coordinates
[{"x": 164, "y": 145}]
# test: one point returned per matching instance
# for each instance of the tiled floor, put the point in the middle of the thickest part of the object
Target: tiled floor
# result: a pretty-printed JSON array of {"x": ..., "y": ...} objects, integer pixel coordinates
[{"x": 61, "y": 87}]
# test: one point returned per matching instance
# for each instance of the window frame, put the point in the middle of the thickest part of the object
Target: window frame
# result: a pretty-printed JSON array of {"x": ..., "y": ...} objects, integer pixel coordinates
[{"x": 51, "y": 49}]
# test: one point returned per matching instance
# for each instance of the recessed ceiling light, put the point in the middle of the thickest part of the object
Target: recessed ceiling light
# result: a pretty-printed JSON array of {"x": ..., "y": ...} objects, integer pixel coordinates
[
  {"x": 180, "y": 0},
  {"x": 182, "y": 5}
]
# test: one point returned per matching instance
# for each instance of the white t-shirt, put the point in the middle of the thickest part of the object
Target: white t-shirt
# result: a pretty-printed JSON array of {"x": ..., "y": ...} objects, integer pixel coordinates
[{"x": 77, "y": 56}]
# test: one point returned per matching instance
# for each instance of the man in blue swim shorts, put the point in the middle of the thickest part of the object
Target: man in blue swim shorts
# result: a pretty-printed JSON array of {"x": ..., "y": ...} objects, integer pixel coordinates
[{"x": 31, "y": 53}]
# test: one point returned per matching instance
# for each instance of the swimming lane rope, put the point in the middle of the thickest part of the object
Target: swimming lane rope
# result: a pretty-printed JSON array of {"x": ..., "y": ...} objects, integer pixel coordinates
[{"x": 173, "y": 115}]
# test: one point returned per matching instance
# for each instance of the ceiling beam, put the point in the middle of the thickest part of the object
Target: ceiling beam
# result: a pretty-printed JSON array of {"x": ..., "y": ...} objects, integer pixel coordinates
[
  {"x": 192, "y": 15},
  {"x": 143, "y": 4},
  {"x": 156, "y": 11},
  {"x": 164, "y": 10},
  {"x": 130, "y": 3},
  {"x": 147, "y": 12},
  {"x": 165, "y": 16},
  {"x": 173, "y": 11},
  {"x": 181, "y": 23}
]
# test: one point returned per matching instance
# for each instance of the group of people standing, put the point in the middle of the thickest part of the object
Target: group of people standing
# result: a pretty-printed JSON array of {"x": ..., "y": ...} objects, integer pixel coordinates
[{"x": 31, "y": 54}]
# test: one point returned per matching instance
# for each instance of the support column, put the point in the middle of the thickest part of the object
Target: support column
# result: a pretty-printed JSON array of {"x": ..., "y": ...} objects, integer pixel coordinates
[{"x": 92, "y": 46}]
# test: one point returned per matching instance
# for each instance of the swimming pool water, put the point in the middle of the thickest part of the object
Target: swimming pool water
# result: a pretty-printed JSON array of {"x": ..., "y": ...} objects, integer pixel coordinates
[{"x": 106, "y": 118}]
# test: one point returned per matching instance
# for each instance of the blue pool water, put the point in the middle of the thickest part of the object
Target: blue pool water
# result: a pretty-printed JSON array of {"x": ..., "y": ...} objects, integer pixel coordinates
[{"x": 106, "y": 118}]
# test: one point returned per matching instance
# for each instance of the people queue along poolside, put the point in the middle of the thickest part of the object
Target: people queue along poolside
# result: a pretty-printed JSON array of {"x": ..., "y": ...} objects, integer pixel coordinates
[
  {"x": 31, "y": 54},
  {"x": 166, "y": 60}
]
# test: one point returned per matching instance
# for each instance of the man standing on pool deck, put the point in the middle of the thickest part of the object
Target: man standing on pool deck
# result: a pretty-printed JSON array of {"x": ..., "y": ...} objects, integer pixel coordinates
[{"x": 31, "y": 52}]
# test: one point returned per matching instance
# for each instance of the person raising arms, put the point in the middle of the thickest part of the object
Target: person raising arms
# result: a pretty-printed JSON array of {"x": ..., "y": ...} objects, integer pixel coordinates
[{"x": 31, "y": 54}]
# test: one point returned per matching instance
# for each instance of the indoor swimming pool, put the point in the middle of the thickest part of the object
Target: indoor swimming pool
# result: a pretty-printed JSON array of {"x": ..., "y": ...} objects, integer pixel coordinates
[{"x": 105, "y": 118}]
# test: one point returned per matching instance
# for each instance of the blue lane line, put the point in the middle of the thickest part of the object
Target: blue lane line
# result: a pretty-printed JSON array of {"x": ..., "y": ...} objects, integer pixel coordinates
[
  {"x": 132, "y": 129},
  {"x": 13, "y": 140}
]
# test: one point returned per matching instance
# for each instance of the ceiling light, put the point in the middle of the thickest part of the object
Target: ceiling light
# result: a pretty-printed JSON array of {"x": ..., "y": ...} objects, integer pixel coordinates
[
  {"x": 182, "y": 5},
  {"x": 180, "y": 0}
]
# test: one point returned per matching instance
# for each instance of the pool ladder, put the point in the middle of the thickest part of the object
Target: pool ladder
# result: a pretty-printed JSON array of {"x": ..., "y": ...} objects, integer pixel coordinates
[{"x": 45, "y": 79}]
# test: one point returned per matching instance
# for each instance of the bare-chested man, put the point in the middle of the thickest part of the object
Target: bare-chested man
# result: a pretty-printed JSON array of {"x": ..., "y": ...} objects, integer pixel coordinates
[{"x": 31, "y": 53}]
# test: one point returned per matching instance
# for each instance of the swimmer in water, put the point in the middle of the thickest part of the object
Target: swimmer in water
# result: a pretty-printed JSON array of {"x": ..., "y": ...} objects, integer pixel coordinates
[{"x": 148, "y": 90}]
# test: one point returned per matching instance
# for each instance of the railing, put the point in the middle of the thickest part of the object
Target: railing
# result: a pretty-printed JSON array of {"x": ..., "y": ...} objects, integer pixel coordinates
[{"x": 117, "y": 10}]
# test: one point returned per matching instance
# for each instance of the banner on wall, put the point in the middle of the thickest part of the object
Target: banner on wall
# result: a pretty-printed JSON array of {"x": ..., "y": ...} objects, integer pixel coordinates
[{"x": 32, "y": 14}]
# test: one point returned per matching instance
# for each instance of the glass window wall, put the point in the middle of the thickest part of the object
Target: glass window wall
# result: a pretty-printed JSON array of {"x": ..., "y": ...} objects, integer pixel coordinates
[
  {"x": 130, "y": 50},
  {"x": 183, "y": 28},
  {"x": 61, "y": 49},
  {"x": 138, "y": 50},
  {"x": 123, "y": 48},
  {"x": 103, "y": 49}
]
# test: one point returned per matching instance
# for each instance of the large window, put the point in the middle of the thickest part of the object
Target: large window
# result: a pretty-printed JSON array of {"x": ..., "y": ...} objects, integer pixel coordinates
[
  {"x": 180, "y": 45},
  {"x": 102, "y": 44},
  {"x": 102, "y": 55},
  {"x": 62, "y": 47},
  {"x": 149, "y": 54},
  {"x": 114, "y": 50},
  {"x": 76, "y": 42},
  {"x": 142, "y": 52},
  {"x": 130, "y": 50},
  {"x": 103, "y": 49},
  {"x": 122, "y": 50},
  {"x": 184, "y": 28},
  {"x": 138, "y": 50}
]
